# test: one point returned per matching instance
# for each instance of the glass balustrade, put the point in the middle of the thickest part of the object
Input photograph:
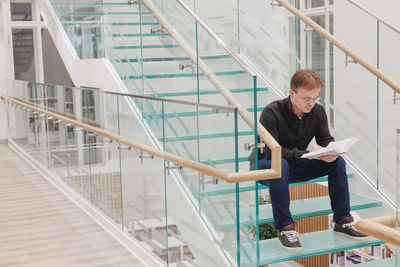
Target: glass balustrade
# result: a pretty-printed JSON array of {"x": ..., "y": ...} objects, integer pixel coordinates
[
  {"x": 140, "y": 193},
  {"x": 151, "y": 63},
  {"x": 357, "y": 103}
]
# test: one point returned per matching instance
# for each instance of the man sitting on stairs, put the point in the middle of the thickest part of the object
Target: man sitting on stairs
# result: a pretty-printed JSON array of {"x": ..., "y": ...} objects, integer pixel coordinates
[{"x": 294, "y": 122}]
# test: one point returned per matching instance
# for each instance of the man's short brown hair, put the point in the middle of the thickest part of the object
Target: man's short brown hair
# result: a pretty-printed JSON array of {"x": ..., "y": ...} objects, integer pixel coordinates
[{"x": 305, "y": 78}]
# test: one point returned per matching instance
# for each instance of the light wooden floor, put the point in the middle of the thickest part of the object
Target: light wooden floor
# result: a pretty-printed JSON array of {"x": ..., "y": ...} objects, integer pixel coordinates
[{"x": 39, "y": 226}]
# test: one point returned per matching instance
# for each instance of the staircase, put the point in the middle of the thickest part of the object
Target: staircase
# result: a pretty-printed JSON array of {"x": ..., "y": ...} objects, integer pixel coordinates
[{"x": 150, "y": 63}]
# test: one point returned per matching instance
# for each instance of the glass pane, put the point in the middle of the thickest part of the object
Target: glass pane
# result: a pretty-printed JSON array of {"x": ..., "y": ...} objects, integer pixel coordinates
[
  {"x": 24, "y": 61},
  {"x": 21, "y": 11},
  {"x": 352, "y": 80},
  {"x": 269, "y": 39},
  {"x": 397, "y": 180},
  {"x": 82, "y": 22},
  {"x": 387, "y": 108}
]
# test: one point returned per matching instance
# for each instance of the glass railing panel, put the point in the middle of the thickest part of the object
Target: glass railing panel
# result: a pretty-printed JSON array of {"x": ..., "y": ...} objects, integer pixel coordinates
[
  {"x": 143, "y": 201},
  {"x": 167, "y": 69},
  {"x": 82, "y": 22},
  {"x": 398, "y": 182},
  {"x": 79, "y": 167},
  {"x": 54, "y": 102},
  {"x": 268, "y": 39},
  {"x": 186, "y": 246},
  {"x": 387, "y": 107},
  {"x": 178, "y": 19},
  {"x": 105, "y": 178},
  {"x": 352, "y": 90}
]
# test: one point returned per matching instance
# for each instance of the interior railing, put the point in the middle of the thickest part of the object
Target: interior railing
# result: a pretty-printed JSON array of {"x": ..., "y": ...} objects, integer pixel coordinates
[
  {"x": 359, "y": 86},
  {"x": 89, "y": 140}
]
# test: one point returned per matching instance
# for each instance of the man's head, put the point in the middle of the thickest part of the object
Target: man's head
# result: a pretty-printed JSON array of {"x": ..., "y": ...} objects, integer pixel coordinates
[{"x": 304, "y": 91}]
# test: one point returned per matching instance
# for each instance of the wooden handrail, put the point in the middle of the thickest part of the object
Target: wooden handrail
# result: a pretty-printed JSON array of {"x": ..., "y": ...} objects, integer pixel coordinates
[
  {"x": 371, "y": 68},
  {"x": 232, "y": 177},
  {"x": 265, "y": 136},
  {"x": 382, "y": 228}
]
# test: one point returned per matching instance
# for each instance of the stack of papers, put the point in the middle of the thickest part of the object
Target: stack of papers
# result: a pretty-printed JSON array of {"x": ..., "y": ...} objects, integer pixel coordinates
[{"x": 334, "y": 148}]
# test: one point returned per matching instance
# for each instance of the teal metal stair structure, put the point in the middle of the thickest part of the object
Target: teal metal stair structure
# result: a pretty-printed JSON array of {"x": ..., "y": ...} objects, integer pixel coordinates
[{"x": 149, "y": 65}]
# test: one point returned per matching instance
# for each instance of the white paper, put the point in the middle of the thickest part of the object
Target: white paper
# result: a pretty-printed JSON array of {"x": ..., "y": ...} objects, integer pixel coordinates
[{"x": 334, "y": 148}]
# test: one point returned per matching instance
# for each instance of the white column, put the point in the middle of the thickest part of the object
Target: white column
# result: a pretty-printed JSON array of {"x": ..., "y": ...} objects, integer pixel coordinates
[{"x": 37, "y": 44}]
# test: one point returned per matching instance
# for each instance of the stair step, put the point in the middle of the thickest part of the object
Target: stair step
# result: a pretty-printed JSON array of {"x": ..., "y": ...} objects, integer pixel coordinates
[
  {"x": 381, "y": 263},
  {"x": 163, "y": 76},
  {"x": 163, "y": 59},
  {"x": 316, "y": 243},
  {"x": 207, "y": 92},
  {"x": 111, "y": 13},
  {"x": 226, "y": 188},
  {"x": 299, "y": 208},
  {"x": 120, "y": 47}
]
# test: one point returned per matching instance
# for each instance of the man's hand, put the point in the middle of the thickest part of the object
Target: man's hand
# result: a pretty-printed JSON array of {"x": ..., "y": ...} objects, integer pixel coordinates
[
  {"x": 327, "y": 158},
  {"x": 315, "y": 148}
]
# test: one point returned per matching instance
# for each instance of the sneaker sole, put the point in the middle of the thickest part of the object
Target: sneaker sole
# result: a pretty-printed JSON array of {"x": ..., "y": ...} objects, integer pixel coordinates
[
  {"x": 291, "y": 249},
  {"x": 365, "y": 238}
]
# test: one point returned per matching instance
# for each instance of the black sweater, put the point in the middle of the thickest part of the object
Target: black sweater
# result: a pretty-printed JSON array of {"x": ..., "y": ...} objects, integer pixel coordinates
[{"x": 292, "y": 133}]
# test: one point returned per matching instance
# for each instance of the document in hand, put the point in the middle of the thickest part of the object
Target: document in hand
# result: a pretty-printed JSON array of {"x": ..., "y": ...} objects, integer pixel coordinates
[{"x": 334, "y": 148}]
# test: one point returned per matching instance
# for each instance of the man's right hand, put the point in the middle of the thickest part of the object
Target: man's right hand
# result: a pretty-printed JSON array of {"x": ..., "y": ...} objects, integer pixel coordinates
[{"x": 315, "y": 148}]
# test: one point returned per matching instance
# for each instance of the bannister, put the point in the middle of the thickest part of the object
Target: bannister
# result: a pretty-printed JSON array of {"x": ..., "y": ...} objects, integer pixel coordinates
[
  {"x": 275, "y": 171},
  {"x": 371, "y": 68},
  {"x": 382, "y": 228},
  {"x": 202, "y": 168}
]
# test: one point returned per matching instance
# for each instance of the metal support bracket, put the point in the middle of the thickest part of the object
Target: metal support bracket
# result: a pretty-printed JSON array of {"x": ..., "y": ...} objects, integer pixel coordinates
[
  {"x": 107, "y": 140},
  {"x": 308, "y": 29},
  {"x": 143, "y": 156},
  {"x": 395, "y": 98},
  {"x": 203, "y": 181},
  {"x": 274, "y": 3},
  {"x": 248, "y": 146},
  {"x": 122, "y": 147},
  {"x": 169, "y": 167},
  {"x": 347, "y": 60},
  {"x": 130, "y": 2},
  {"x": 154, "y": 31},
  {"x": 183, "y": 66}
]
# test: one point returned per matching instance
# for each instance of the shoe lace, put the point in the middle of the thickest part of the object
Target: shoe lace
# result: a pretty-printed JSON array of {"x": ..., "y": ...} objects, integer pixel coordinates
[
  {"x": 350, "y": 225},
  {"x": 291, "y": 235}
]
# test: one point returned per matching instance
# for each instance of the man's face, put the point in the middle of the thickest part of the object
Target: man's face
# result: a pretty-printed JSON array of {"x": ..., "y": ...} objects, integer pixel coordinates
[{"x": 303, "y": 100}]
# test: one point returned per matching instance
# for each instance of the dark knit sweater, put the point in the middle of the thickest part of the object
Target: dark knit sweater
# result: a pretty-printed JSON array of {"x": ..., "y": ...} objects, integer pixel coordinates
[{"x": 292, "y": 133}]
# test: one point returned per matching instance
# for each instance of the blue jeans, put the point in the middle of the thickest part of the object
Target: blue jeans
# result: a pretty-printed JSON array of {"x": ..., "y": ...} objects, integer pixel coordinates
[{"x": 302, "y": 171}]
